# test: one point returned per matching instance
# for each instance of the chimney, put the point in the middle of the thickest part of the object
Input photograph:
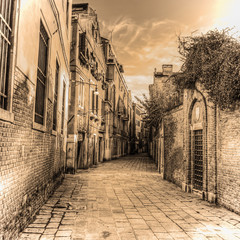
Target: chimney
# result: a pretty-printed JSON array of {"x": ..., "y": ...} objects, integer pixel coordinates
[{"x": 167, "y": 69}]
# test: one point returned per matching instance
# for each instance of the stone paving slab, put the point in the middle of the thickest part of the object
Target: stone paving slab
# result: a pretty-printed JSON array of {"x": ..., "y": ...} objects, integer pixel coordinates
[{"x": 125, "y": 199}]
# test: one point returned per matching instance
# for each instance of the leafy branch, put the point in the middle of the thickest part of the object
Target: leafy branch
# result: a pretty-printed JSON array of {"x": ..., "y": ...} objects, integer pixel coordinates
[
  {"x": 213, "y": 59},
  {"x": 156, "y": 107}
]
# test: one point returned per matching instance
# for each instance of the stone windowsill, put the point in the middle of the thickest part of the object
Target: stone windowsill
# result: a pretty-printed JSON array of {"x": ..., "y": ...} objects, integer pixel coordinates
[
  {"x": 54, "y": 132},
  {"x": 39, "y": 127},
  {"x": 6, "y": 115}
]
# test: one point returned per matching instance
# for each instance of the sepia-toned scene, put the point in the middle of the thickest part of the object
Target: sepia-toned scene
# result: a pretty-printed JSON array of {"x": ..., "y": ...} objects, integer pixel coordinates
[{"x": 119, "y": 120}]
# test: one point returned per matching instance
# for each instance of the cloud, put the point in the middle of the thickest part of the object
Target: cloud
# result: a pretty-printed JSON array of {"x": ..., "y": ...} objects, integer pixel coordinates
[
  {"x": 141, "y": 48},
  {"x": 138, "y": 84},
  {"x": 143, "y": 45}
]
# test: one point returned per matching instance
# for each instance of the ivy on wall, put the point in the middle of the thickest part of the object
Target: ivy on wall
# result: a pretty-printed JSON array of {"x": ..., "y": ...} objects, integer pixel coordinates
[{"x": 213, "y": 59}]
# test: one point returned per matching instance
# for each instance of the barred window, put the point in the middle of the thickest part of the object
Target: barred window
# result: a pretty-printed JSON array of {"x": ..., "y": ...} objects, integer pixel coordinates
[
  {"x": 63, "y": 105},
  {"x": 55, "y": 99},
  {"x": 41, "y": 75},
  {"x": 6, "y": 11}
]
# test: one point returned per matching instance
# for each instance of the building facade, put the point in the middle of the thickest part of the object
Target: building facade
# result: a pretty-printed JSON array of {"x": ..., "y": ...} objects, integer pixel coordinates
[
  {"x": 100, "y": 102},
  {"x": 139, "y": 132},
  {"x": 117, "y": 106},
  {"x": 34, "y": 69},
  {"x": 86, "y": 125},
  {"x": 197, "y": 147}
]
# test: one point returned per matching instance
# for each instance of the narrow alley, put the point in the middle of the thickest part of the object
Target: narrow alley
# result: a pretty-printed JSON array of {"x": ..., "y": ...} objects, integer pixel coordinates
[{"x": 126, "y": 199}]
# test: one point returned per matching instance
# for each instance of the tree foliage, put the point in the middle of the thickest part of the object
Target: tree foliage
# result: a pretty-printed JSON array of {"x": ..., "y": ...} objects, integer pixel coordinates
[
  {"x": 156, "y": 107},
  {"x": 213, "y": 59}
]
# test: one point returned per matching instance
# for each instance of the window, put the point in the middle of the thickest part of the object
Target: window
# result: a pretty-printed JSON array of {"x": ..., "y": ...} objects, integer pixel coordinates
[
  {"x": 106, "y": 94},
  {"x": 82, "y": 48},
  {"x": 102, "y": 109},
  {"x": 81, "y": 95},
  {"x": 55, "y": 97},
  {"x": 114, "y": 97},
  {"x": 96, "y": 104},
  {"x": 63, "y": 106},
  {"x": 93, "y": 30},
  {"x": 93, "y": 100},
  {"x": 41, "y": 75},
  {"x": 67, "y": 13},
  {"x": 6, "y": 14}
]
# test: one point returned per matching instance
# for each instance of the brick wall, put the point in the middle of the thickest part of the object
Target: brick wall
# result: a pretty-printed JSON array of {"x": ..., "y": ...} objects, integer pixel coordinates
[
  {"x": 31, "y": 163},
  {"x": 228, "y": 159},
  {"x": 173, "y": 146},
  {"x": 221, "y": 148}
]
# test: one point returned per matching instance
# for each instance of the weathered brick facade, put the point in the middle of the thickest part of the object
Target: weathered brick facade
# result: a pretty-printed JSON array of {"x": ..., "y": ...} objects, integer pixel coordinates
[
  {"x": 32, "y": 153},
  {"x": 197, "y": 147},
  {"x": 228, "y": 181},
  {"x": 32, "y": 162},
  {"x": 173, "y": 146}
]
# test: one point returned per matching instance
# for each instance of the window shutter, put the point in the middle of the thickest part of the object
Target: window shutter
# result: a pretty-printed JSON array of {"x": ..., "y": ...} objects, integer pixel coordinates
[
  {"x": 93, "y": 101},
  {"x": 97, "y": 104},
  {"x": 82, "y": 44}
]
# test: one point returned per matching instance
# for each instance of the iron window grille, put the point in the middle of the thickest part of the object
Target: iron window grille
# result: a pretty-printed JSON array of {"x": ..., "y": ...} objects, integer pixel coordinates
[
  {"x": 6, "y": 11},
  {"x": 198, "y": 160},
  {"x": 63, "y": 106},
  {"x": 55, "y": 99},
  {"x": 41, "y": 75}
]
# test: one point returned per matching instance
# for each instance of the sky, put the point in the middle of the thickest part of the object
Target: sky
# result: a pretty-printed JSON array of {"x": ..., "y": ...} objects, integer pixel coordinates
[{"x": 144, "y": 33}]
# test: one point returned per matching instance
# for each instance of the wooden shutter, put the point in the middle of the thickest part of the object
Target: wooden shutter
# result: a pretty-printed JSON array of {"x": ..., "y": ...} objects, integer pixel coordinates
[{"x": 82, "y": 44}]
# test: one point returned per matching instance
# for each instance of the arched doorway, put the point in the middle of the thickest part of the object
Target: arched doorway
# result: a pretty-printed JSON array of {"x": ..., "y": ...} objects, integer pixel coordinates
[{"x": 198, "y": 147}]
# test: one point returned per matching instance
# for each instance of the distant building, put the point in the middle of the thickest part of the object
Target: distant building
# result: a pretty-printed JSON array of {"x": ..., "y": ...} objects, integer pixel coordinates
[
  {"x": 34, "y": 70},
  {"x": 162, "y": 82},
  {"x": 86, "y": 125},
  {"x": 100, "y": 102},
  {"x": 138, "y": 128},
  {"x": 117, "y": 106}
]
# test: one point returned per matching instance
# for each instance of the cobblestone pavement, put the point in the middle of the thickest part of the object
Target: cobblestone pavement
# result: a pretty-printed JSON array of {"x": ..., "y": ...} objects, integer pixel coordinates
[{"x": 126, "y": 199}]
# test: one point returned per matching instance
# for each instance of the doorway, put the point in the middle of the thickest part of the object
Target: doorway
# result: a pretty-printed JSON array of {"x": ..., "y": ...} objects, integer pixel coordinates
[
  {"x": 198, "y": 160},
  {"x": 79, "y": 154}
]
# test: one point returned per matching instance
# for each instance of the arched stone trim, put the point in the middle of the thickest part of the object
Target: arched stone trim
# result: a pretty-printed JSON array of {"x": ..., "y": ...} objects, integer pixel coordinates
[{"x": 197, "y": 106}]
